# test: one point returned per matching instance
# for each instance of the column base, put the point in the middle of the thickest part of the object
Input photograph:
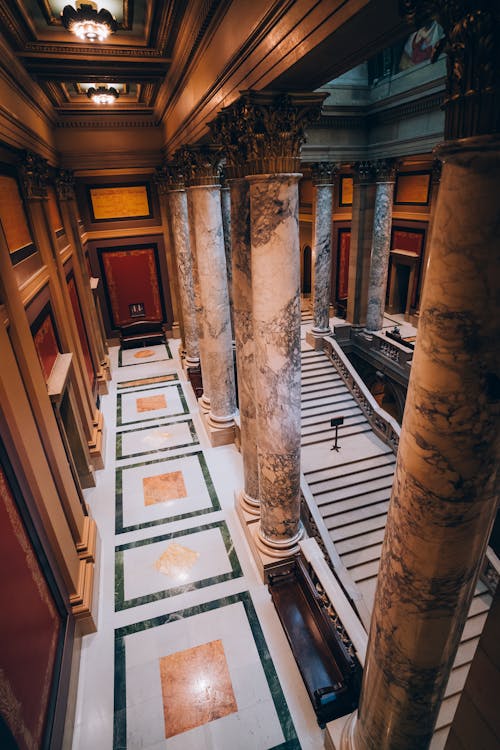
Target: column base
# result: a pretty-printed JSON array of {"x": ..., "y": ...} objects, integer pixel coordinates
[
  {"x": 339, "y": 734},
  {"x": 282, "y": 549},
  {"x": 219, "y": 433},
  {"x": 188, "y": 362},
  {"x": 314, "y": 337},
  {"x": 204, "y": 404},
  {"x": 250, "y": 505}
]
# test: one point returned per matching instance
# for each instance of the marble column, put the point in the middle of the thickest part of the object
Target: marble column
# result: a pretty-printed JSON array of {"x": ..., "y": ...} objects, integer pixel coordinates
[
  {"x": 226, "y": 131},
  {"x": 385, "y": 172},
  {"x": 323, "y": 174},
  {"x": 204, "y": 188},
  {"x": 445, "y": 491},
  {"x": 225, "y": 196},
  {"x": 179, "y": 224},
  {"x": 363, "y": 203},
  {"x": 274, "y": 131}
]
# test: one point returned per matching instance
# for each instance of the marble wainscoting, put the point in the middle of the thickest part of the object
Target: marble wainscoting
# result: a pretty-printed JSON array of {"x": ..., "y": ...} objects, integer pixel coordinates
[{"x": 189, "y": 651}]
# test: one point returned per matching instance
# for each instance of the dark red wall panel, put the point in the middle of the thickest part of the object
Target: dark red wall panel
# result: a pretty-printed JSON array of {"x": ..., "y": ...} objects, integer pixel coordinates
[
  {"x": 46, "y": 344},
  {"x": 131, "y": 278},
  {"x": 29, "y": 629}
]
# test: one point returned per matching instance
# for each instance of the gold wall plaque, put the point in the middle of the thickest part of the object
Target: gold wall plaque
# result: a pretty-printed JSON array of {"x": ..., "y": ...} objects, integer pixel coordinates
[
  {"x": 413, "y": 188},
  {"x": 346, "y": 188},
  {"x": 121, "y": 202}
]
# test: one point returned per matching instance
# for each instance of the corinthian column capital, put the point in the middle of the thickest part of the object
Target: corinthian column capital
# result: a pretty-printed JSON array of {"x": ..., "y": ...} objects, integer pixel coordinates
[
  {"x": 471, "y": 42},
  {"x": 169, "y": 176},
  {"x": 65, "y": 184},
  {"x": 201, "y": 164},
  {"x": 323, "y": 172},
  {"x": 274, "y": 128},
  {"x": 34, "y": 172}
]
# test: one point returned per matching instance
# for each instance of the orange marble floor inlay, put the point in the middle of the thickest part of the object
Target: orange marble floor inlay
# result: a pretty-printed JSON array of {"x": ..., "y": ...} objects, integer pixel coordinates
[
  {"x": 176, "y": 561},
  {"x": 150, "y": 403},
  {"x": 163, "y": 487},
  {"x": 196, "y": 687},
  {"x": 144, "y": 353}
]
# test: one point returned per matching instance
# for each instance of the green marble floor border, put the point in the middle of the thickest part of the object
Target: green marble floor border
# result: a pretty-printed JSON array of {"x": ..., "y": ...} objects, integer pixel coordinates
[
  {"x": 215, "y": 504},
  {"x": 122, "y": 603},
  {"x": 133, "y": 364},
  {"x": 192, "y": 431},
  {"x": 119, "y": 396},
  {"x": 139, "y": 383},
  {"x": 120, "y": 698}
]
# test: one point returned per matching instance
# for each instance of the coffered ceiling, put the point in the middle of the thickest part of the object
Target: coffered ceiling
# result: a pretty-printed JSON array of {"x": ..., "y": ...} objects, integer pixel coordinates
[{"x": 135, "y": 60}]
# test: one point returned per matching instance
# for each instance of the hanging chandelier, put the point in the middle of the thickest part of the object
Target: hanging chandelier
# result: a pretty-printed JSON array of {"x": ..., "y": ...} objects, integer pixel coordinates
[
  {"x": 87, "y": 22},
  {"x": 103, "y": 94}
]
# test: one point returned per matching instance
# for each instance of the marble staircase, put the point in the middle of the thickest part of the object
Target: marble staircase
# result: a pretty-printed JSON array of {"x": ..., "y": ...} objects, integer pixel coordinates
[{"x": 352, "y": 489}]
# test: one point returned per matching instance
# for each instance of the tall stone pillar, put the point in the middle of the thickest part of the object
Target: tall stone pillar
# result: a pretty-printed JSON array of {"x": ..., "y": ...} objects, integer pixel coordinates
[
  {"x": 226, "y": 130},
  {"x": 363, "y": 204},
  {"x": 445, "y": 491},
  {"x": 211, "y": 265},
  {"x": 179, "y": 226},
  {"x": 162, "y": 179},
  {"x": 274, "y": 132},
  {"x": 323, "y": 174},
  {"x": 385, "y": 174},
  {"x": 225, "y": 197}
]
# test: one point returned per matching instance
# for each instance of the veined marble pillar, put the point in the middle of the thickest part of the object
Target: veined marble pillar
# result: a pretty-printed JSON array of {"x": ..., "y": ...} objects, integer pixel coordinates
[
  {"x": 211, "y": 265},
  {"x": 274, "y": 131},
  {"x": 276, "y": 318},
  {"x": 363, "y": 203},
  {"x": 179, "y": 223},
  {"x": 226, "y": 130},
  {"x": 385, "y": 172},
  {"x": 445, "y": 491},
  {"x": 225, "y": 196},
  {"x": 322, "y": 175}
]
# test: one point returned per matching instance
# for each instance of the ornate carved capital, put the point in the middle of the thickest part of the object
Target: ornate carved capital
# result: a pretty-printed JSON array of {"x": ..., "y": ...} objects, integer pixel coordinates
[
  {"x": 34, "y": 172},
  {"x": 274, "y": 128},
  {"x": 385, "y": 170},
  {"x": 65, "y": 184},
  {"x": 227, "y": 132},
  {"x": 323, "y": 172},
  {"x": 201, "y": 165},
  {"x": 169, "y": 176},
  {"x": 472, "y": 44},
  {"x": 363, "y": 172}
]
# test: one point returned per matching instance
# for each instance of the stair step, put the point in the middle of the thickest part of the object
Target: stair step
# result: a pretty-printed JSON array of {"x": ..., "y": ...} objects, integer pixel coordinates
[
  {"x": 345, "y": 406},
  {"x": 447, "y": 712},
  {"x": 336, "y": 521},
  {"x": 323, "y": 427},
  {"x": 355, "y": 491},
  {"x": 465, "y": 652},
  {"x": 324, "y": 419},
  {"x": 326, "y": 403},
  {"x": 353, "y": 479},
  {"x": 346, "y": 432},
  {"x": 361, "y": 540},
  {"x": 340, "y": 533},
  {"x": 358, "y": 465},
  {"x": 362, "y": 572},
  {"x": 322, "y": 390},
  {"x": 456, "y": 680},
  {"x": 362, "y": 556}
]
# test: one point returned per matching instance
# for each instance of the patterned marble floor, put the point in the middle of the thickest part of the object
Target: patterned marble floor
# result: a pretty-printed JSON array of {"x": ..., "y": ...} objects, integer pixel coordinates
[{"x": 189, "y": 652}]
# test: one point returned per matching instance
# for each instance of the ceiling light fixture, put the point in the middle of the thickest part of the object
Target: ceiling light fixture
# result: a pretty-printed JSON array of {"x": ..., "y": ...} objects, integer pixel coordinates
[
  {"x": 87, "y": 22},
  {"x": 103, "y": 94}
]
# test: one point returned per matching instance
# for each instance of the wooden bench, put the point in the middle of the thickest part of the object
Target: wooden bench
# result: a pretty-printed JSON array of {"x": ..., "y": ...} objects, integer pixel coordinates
[
  {"x": 142, "y": 333},
  {"x": 331, "y": 675}
]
